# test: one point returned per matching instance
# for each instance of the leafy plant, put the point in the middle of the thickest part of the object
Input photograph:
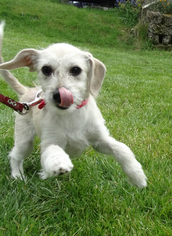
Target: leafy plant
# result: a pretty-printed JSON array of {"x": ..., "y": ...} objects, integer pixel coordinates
[
  {"x": 163, "y": 6},
  {"x": 129, "y": 11}
]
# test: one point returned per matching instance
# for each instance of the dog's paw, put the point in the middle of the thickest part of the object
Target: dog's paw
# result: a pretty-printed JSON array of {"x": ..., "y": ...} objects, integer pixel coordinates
[
  {"x": 139, "y": 179},
  {"x": 16, "y": 169},
  {"x": 56, "y": 164},
  {"x": 136, "y": 175},
  {"x": 18, "y": 176}
]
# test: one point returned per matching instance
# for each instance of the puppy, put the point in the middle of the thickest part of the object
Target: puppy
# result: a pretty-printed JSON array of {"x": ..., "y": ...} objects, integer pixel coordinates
[{"x": 70, "y": 79}]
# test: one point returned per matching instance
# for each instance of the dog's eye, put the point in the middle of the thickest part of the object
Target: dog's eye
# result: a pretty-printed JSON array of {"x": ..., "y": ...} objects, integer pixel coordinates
[
  {"x": 47, "y": 70},
  {"x": 75, "y": 71}
]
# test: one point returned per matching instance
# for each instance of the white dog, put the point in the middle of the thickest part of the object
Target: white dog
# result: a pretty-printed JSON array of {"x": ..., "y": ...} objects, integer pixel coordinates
[{"x": 70, "y": 121}]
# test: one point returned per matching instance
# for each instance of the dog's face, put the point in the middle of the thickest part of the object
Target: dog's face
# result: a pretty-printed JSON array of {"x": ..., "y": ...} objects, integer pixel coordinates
[{"x": 67, "y": 74}]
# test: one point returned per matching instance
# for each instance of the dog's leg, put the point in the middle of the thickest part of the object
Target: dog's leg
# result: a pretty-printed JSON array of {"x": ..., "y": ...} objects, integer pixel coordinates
[
  {"x": 54, "y": 161},
  {"x": 126, "y": 159},
  {"x": 23, "y": 145}
]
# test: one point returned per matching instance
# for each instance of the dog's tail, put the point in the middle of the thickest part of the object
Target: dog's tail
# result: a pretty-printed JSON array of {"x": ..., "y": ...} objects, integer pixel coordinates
[{"x": 7, "y": 76}]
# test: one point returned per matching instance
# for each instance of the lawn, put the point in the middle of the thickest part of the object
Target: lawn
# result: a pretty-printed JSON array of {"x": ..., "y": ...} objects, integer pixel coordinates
[{"x": 136, "y": 102}]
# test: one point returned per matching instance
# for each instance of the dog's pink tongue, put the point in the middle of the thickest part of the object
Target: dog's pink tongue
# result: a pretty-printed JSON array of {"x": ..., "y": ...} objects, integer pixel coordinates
[{"x": 66, "y": 97}]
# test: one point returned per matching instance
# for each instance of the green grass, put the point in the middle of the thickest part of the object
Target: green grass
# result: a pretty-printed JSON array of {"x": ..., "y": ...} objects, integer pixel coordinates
[
  {"x": 57, "y": 22},
  {"x": 135, "y": 100}
]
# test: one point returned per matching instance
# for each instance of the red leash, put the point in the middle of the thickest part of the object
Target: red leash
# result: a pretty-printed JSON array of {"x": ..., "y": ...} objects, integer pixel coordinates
[{"x": 21, "y": 108}]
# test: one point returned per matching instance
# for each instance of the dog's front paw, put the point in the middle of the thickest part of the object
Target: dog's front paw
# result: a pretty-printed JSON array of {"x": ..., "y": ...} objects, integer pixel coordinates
[
  {"x": 136, "y": 175},
  {"x": 55, "y": 163}
]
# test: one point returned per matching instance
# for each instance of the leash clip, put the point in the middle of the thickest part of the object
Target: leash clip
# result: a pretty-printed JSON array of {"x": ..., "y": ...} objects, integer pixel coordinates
[
  {"x": 28, "y": 105},
  {"x": 37, "y": 99},
  {"x": 25, "y": 109}
]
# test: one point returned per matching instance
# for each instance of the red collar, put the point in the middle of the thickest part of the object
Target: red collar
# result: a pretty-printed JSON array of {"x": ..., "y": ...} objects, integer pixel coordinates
[
  {"x": 82, "y": 104},
  {"x": 42, "y": 104}
]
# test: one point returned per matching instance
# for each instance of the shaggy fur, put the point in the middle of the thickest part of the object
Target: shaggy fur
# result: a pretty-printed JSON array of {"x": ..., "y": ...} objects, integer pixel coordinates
[{"x": 64, "y": 131}]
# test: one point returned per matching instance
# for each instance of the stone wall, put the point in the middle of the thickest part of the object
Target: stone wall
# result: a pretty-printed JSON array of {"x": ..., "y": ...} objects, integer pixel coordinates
[{"x": 159, "y": 28}]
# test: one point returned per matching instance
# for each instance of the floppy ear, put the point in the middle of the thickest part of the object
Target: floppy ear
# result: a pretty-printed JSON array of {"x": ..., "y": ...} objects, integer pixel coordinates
[
  {"x": 26, "y": 57},
  {"x": 98, "y": 71}
]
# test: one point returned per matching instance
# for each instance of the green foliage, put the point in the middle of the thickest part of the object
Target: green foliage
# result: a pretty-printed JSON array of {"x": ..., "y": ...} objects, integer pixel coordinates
[
  {"x": 140, "y": 3},
  {"x": 129, "y": 13},
  {"x": 140, "y": 32},
  {"x": 163, "y": 6}
]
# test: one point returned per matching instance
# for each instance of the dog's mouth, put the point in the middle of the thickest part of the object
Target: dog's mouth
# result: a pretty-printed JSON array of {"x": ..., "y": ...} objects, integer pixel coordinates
[
  {"x": 62, "y": 108},
  {"x": 63, "y": 98}
]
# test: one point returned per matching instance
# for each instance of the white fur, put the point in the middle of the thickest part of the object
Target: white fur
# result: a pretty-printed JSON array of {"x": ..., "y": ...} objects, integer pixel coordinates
[{"x": 67, "y": 132}]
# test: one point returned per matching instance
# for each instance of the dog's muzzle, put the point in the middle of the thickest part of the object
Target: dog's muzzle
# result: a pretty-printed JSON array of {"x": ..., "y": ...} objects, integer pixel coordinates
[{"x": 63, "y": 98}]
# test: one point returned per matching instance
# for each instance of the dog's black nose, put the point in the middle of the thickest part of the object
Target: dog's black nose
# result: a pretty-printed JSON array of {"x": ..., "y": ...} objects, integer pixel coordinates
[{"x": 56, "y": 96}]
